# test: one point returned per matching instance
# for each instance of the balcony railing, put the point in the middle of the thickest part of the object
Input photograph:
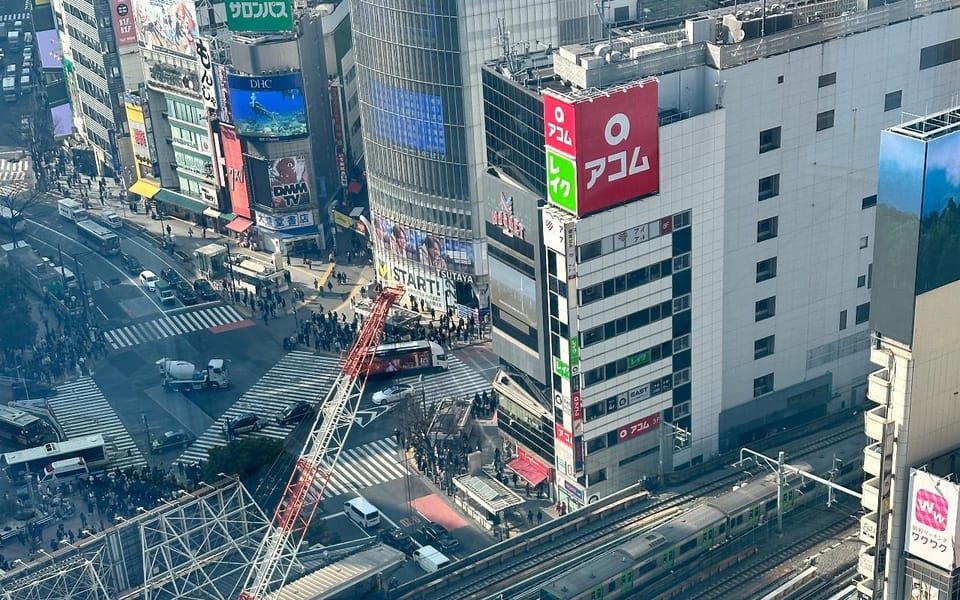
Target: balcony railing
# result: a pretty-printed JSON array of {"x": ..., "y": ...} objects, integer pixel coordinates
[
  {"x": 878, "y": 386},
  {"x": 876, "y": 424},
  {"x": 868, "y": 529}
]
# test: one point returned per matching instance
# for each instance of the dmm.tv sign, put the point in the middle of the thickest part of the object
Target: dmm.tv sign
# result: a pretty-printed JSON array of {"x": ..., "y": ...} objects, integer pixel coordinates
[{"x": 602, "y": 149}]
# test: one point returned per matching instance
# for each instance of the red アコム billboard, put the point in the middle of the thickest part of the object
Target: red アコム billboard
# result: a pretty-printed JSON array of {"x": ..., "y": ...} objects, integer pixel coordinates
[
  {"x": 234, "y": 174},
  {"x": 602, "y": 149}
]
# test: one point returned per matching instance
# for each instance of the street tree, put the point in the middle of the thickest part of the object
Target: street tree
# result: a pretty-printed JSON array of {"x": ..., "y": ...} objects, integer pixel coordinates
[
  {"x": 19, "y": 329},
  {"x": 244, "y": 457},
  {"x": 16, "y": 198}
]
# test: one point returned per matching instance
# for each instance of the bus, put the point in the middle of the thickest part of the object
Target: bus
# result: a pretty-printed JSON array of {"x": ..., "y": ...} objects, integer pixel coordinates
[
  {"x": 98, "y": 237},
  {"x": 8, "y": 218},
  {"x": 24, "y": 428},
  {"x": 391, "y": 359},
  {"x": 91, "y": 448},
  {"x": 257, "y": 276}
]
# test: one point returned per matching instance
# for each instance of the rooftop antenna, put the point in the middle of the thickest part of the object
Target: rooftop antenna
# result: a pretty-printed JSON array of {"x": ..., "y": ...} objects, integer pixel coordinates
[
  {"x": 601, "y": 9},
  {"x": 503, "y": 38}
]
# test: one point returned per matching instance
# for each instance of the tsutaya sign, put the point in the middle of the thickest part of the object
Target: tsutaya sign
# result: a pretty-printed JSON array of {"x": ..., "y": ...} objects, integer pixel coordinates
[{"x": 506, "y": 219}]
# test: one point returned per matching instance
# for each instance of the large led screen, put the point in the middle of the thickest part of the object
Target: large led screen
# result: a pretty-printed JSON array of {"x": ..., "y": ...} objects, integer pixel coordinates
[
  {"x": 409, "y": 119},
  {"x": 899, "y": 197},
  {"x": 62, "y": 119},
  {"x": 269, "y": 107},
  {"x": 939, "y": 249},
  {"x": 513, "y": 290},
  {"x": 438, "y": 252},
  {"x": 48, "y": 46},
  {"x": 169, "y": 25}
]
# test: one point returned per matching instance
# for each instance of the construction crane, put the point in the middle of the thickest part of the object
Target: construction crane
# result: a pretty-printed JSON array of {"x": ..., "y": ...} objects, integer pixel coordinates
[{"x": 277, "y": 552}]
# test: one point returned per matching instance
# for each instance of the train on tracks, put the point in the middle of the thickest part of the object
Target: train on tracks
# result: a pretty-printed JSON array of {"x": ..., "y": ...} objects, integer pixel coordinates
[{"x": 636, "y": 563}]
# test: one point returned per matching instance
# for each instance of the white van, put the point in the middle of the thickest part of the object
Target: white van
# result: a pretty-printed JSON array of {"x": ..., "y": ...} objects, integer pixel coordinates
[
  {"x": 60, "y": 471},
  {"x": 111, "y": 219},
  {"x": 362, "y": 512},
  {"x": 71, "y": 209},
  {"x": 430, "y": 559}
]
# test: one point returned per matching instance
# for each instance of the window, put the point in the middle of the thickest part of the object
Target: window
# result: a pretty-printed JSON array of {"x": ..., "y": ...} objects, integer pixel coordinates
[
  {"x": 827, "y": 80},
  {"x": 769, "y": 139},
  {"x": 593, "y": 411},
  {"x": 763, "y": 347},
  {"x": 869, "y": 202},
  {"x": 862, "y": 281},
  {"x": 589, "y": 251},
  {"x": 766, "y": 308},
  {"x": 864, "y": 241},
  {"x": 939, "y": 54},
  {"x": 892, "y": 100},
  {"x": 766, "y": 269},
  {"x": 767, "y": 228},
  {"x": 763, "y": 385},
  {"x": 769, "y": 187},
  {"x": 824, "y": 120},
  {"x": 687, "y": 546},
  {"x": 863, "y": 312},
  {"x": 843, "y": 320},
  {"x": 779, "y": 78},
  {"x": 596, "y": 444},
  {"x": 597, "y": 477}
]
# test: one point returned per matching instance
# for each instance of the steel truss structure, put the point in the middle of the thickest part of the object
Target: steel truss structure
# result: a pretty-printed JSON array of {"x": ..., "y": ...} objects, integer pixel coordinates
[{"x": 198, "y": 546}]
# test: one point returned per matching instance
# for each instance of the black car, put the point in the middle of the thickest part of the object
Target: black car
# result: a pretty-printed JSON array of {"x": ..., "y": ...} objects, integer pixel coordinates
[
  {"x": 170, "y": 440},
  {"x": 131, "y": 264},
  {"x": 399, "y": 540},
  {"x": 185, "y": 293},
  {"x": 171, "y": 276},
  {"x": 436, "y": 535},
  {"x": 294, "y": 413},
  {"x": 242, "y": 424},
  {"x": 204, "y": 290}
]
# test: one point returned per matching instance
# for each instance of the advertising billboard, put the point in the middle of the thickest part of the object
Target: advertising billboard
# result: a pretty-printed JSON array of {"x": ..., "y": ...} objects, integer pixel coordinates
[
  {"x": 51, "y": 53},
  {"x": 62, "y": 119},
  {"x": 288, "y": 183},
  {"x": 603, "y": 149},
  {"x": 446, "y": 255},
  {"x": 259, "y": 15},
  {"x": 223, "y": 92},
  {"x": 410, "y": 119},
  {"x": 899, "y": 201},
  {"x": 167, "y": 25},
  {"x": 268, "y": 107},
  {"x": 937, "y": 263},
  {"x": 303, "y": 218},
  {"x": 638, "y": 427},
  {"x": 420, "y": 283},
  {"x": 124, "y": 26},
  {"x": 932, "y": 519},
  {"x": 514, "y": 291},
  {"x": 205, "y": 62},
  {"x": 235, "y": 176},
  {"x": 336, "y": 108},
  {"x": 138, "y": 139}
]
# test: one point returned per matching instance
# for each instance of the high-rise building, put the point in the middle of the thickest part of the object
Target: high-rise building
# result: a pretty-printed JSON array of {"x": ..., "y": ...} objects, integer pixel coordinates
[
  {"x": 708, "y": 242},
  {"x": 418, "y": 67},
  {"x": 910, "y": 526}
]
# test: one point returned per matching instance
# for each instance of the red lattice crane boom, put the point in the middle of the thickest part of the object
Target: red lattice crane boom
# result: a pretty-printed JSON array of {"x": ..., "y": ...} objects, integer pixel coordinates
[{"x": 277, "y": 552}]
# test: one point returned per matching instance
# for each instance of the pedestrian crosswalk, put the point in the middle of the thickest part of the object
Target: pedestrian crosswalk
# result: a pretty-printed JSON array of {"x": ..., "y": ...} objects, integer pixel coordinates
[
  {"x": 80, "y": 409},
  {"x": 20, "y": 16},
  {"x": 171, "y": 325},
  {"x": 15, "y": 170},
  {"x": 363, "y": 466},
  {"x": 298, "y": 376},
  {"x": 459, "y": 381}
]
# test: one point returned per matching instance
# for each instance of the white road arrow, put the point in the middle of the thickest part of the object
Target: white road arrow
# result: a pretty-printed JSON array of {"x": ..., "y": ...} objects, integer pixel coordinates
[{"x": 369, "y": 415}]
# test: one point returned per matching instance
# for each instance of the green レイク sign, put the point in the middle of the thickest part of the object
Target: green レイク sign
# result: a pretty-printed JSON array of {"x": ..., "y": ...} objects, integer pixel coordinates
[
  {"x": 561, "y": 180},
  {"x": 574, "y": 351},
  {"x": 561, "y": 368},
  {"x": 259, "y": 15}
]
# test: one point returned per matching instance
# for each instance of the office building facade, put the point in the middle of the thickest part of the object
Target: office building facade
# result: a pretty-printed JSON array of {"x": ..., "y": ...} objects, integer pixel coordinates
[
  {"x": 734, "y": 298},
  {"x": 909, "y": 529}
]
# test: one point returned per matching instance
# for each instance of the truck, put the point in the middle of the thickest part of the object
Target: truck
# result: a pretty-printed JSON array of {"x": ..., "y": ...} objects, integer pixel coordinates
[
  {"x": 42, "y": 277},
  {"x": 430, "y": 559},
  {"x": 184, "y": 376},
  {"x": 165, "y": 292},
  {"x": 72, "y": 210},
  {"x": 9, "y": 86}
]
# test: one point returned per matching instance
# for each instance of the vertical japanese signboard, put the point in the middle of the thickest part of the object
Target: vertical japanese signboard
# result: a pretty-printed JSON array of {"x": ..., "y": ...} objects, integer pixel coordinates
[
  {"x": 205, "y": 62},
  {"x": 124, "y": 26},
  {"x": 336, "y": 108},
  {"x": 602, "y": 149}
]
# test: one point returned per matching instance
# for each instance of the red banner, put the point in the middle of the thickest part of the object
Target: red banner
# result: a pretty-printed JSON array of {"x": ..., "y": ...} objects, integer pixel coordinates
[
  {"x": 638, "y": 428},
  {"x": 563, "y": 435},
  {"x": 235, "y": 175},
  {"x": 123, "y": 24}
]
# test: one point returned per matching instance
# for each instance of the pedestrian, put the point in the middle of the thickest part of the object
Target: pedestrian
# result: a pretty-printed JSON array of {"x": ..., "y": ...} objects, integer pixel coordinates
[
  {"x": 190, "y": 231},
  {"x": 330, "y": 286},
  {"x": 530, "y": 516},
  {"x": 203, "y": 232},
  {"x": 316, "y": 283},
  {"x": 539, "y": 517}
]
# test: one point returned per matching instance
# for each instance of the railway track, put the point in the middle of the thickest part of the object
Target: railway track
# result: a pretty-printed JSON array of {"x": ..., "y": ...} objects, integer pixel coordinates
[
  {"x": 504, "y": 573},
  {"x": 734, "y": 581}
]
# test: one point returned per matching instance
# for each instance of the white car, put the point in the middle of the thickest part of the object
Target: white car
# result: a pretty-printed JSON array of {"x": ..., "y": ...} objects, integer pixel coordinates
[
  {"x": 394, "y": 393},
  {"x": 148, "y": 279}
]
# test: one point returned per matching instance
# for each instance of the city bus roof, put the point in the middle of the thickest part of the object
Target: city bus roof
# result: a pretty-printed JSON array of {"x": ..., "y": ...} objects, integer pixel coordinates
[{"x": 53, "y": 449}]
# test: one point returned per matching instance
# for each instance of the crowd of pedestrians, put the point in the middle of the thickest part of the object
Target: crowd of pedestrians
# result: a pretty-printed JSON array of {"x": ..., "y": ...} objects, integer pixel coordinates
[
  {"x": 61, "y": 351},
  {"x": 329, "y": 332}
]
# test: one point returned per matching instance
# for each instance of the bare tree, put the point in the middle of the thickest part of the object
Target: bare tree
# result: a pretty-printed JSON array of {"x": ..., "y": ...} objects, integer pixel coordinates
[{"x": 16, "y": 197}]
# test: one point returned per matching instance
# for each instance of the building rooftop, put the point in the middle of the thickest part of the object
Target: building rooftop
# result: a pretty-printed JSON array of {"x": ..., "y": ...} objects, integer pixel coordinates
[{"x": 931, "y": 126}]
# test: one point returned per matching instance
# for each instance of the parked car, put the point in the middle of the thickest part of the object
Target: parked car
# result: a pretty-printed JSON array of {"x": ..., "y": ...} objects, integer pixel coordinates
[
  {"x": 171, "y": 276},
  {"x": 185, "y": 293},
  {"x": 111, "y": 219},
  {"x": 171, "y": 440},
  {"x": 149, "y": 279},
  {"x": 131, "y": 264},
  {"x": 11, "y": 70},
  {"x": 394, "y": 393},
  {"x": 243, "y": 424},
  {"x": 398, "y": 539},
  {"x": 294, "y": 413},
  {"x": 204, "y": 290},
  {"x": 436, "y": 535}
]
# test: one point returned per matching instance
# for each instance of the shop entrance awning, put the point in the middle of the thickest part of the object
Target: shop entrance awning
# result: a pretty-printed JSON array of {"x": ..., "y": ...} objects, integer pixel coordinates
[
  {"x": 239, "y": 224},
  {"x": 211, "y": 212},
  {"x": 296, "y": 232},
  {"x": 144, "y": 188},
  {"x": 531, "y": 471},
  {"x": 177, "y": 199},
  {"x": 226, "y": 217}
]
